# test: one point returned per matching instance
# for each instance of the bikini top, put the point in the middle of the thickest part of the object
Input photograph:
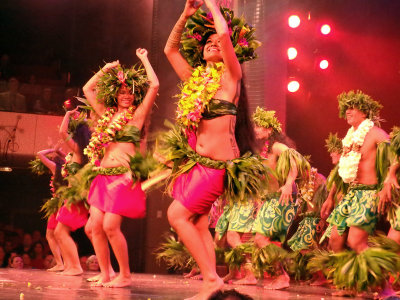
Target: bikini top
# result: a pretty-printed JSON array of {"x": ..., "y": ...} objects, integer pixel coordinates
[
  {"x": 128, "y": 134},
  {"x": 218, "y": 108}
]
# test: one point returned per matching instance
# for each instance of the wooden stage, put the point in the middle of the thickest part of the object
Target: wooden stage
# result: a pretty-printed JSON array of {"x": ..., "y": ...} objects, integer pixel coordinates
[{"x": 39, "y": 284}]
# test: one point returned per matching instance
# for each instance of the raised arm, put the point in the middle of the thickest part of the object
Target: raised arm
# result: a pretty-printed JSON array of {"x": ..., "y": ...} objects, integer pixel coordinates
[
  {"x": 64, "y": 131},
  {"x": 171, "y": 50},
  {"x": 47, "y": 161},
  {"x": 228, "y": 52},
  {"x": 90, "y": 88},
  {"x": 148, "y": 101}
]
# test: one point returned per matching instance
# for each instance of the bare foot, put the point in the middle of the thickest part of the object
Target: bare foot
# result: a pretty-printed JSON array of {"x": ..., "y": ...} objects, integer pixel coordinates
[
  {"x": 281, "y": 282},
  {"x": 320, "y": 281},
  {"x": 101, "y": 280},
  {"x": 56, "y": 268},
  {"x": 246, "y": 281},
  {"x": 231, "y": 275},
  {"x": 71, "y": 272},
  {"x": 208, "y": 288},
  {"x": 197, "y": 277},
  {"x": 192, "y": 273},
  {"x": 119, "y": 282}
]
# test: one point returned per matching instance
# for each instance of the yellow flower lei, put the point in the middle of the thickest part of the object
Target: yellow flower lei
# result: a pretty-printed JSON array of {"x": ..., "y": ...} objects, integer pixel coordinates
[
  {"x": 105, "y": 131},
  {"x": 197, "y": 92}
]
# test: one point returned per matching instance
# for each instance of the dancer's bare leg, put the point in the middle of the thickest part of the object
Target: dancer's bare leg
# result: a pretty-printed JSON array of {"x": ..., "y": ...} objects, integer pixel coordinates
[
  {"x": 337, "y": 242},
  {"x": 55, "y": 250},
  {"x": 88, "y": 231},
  {"x": 69, "y": 250},
  {"x": 100, "y": 244},
  {"x": 195, "y": 238},
  {"x": 112, "y": 228}
]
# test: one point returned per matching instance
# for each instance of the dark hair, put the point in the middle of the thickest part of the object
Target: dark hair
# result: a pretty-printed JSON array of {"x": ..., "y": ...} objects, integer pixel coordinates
[
  {"x": 244, "y": 132},
  {"x": 229, "y": 295},
  {"x": 81, "y": 136},
  {"x": 282, "y": 138}
]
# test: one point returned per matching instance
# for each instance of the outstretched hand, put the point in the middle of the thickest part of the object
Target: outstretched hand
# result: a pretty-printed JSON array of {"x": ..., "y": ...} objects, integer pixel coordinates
[
  {"x": 191, "y": 7},
  {"x": 111, "y": 65},
  {"x": 286, "y": 194},
  {"x": 141, "y": 53}
]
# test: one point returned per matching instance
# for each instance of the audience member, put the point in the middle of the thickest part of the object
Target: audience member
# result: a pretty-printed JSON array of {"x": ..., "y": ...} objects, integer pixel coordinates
[
  {"x": 17, "y": 262},
  {"x": 92, "y": 263},
  {"x": 83, "y": 260},
  {"x": 49, "y": 261},
  {"x": 32, "y": 91},
  {"x": 26, "y": 244},
  {"x": 3, "y": 260},
  {"x": 12, "y": 100},
  {"x": 46, "y": 104},
  {"x": 27, "y": 261},
  {"x": 37, "y": 255}
]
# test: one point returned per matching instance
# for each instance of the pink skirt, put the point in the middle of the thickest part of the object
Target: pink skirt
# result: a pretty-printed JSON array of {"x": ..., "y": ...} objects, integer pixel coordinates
[
  {"x": 52, "y": 222},
  {"x": 115, "y": 194},
  {"x": 199, "y": 188},
  {"x": 74, "y": 217}
]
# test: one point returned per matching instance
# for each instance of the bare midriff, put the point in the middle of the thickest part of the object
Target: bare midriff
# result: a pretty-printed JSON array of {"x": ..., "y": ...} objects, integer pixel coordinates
[
  {"x": 216, "y": 138},
  {"x": 116, "y": 153}
]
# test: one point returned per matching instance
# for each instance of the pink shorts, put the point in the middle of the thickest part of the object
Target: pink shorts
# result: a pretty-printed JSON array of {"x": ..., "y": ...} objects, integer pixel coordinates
[
  {"x": 52, "y": 222},
  {"x": 199, "y": 188},
  {"x": 74, "y": 217},
  {"x": 115, "y": 194}
]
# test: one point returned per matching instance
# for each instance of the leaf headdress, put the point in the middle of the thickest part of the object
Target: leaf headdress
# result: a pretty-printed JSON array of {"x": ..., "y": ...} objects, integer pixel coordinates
[
  {"x": 266, "y": 118},
  {"x": 360, "y": 101},
  {"x": 111, "y": 81},
  {"x": 201, "y": 25}
]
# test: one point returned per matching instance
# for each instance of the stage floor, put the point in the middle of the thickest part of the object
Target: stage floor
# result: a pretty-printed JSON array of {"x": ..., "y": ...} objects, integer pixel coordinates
[{"x": 39, "y": 284}]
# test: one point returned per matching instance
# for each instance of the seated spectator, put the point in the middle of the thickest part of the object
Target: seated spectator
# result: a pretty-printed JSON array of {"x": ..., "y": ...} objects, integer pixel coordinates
[
  {"x": 37, "y": 255},
  {"x": 17, "y": 262},
  {"x": 92, "y": 263},
  {"x": 9, "y": 258},
  {"x": 46, "y": 104},
  {"x": 3, "y": 260},
  {"x": 8, "y": 247},
  {"x": 37, "y": 236},
  {"x": 27, "y": 261},
  {"x": 49, "y": 262},
  {"x": 26, "y": 244},
  {"x": 12, "y": 100}
]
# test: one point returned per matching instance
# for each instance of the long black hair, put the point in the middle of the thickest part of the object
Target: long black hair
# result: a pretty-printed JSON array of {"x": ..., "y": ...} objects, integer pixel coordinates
[
  {"x": 81, "y": 136},
  {"x": 244, "y": 132}
]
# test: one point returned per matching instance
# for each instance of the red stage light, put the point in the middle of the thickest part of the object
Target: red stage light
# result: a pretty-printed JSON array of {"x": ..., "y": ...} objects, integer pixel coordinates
[
  {"x": 68, "y": 104},
  {"x": 294, "y": 21},
  {"x": 325, "y": 29},
  {"x": 293, "y": 86},
  {"x": 323, "y": 64},
  {"x": 292, "y": 53}
]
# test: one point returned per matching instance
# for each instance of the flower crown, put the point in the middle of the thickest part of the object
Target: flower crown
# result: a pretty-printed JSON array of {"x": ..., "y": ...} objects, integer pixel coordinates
[
  {"x": 201, "y": 25},
  {"x": 266, "y": 118},
  {"x": 112, "y": 80},
  {"x": 360, "y": 101},
  {"x": 333, "y": 143}
]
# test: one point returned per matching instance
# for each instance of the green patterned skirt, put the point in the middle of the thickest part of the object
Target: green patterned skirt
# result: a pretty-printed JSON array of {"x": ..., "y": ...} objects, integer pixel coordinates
[
  {"x": 274, "y": 219},
  {"x": 358, "y": 208},
  {"x": 306, "y": 234},
  {"x": 239, "y": 218}
]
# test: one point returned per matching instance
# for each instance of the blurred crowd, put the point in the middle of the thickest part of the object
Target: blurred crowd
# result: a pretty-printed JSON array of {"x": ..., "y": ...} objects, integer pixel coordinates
[{"x": 30, "y": 250}]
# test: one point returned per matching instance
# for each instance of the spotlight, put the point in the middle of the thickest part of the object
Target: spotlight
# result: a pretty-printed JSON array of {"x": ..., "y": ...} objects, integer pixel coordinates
[
  {"x": 292, "y": 53},
  {"x": 325, "y": 29},
  {"x": 294, "y": 21},
  {"x": 68, "y": 104},
  {"x": 323, "y": 64},
  {"x": 293, "y": 86}
]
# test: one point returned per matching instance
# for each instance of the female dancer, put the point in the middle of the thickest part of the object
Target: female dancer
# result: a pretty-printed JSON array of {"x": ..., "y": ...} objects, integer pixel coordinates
[
  {"x": 120, "y": 102},
  {"x": 71, "y": 217},
  {"x": 54, "y": 165},
  {"x": 221, "y": 78}
]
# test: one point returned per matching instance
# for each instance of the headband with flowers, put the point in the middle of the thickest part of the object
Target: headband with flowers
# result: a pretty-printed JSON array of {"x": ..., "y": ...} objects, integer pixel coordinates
[
  {"x": 266, "y": 118},
  {"x": 111, "y": 81},
  {"x": 360, "y": 101},
  {"x": 201, "y": 25}
]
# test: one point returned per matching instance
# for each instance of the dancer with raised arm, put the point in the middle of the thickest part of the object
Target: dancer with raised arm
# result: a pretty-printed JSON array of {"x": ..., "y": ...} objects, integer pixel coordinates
[
  {"x": 123, "y": 98},
  {"x": 210, "y": 112}
]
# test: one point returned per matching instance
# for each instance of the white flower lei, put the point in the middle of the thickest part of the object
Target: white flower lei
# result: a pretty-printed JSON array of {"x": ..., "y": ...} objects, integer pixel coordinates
[{"x": 352, "y": 142}]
